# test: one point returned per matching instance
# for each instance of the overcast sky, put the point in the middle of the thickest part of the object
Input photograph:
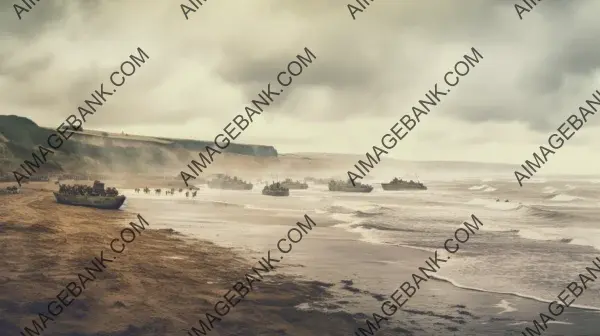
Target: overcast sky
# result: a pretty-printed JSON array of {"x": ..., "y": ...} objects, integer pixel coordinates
[{"x": 368, "y": 72}]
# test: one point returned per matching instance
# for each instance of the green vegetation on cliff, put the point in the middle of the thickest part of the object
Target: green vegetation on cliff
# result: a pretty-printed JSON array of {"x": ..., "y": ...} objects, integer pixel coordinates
[{"x": 20, "y": 136}]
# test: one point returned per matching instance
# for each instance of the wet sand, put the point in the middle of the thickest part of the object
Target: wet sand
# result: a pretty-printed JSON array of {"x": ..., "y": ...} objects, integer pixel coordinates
[
  {"x": 160, "y": 285},
  {"x": 164, "y": 282}
]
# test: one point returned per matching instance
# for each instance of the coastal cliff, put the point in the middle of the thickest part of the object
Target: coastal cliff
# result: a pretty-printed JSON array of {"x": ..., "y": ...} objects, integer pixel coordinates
[{"x": 96, "y": 150}]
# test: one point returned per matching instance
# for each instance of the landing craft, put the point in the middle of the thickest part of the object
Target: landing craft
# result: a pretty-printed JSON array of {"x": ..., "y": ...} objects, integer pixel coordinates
[
  {"x": 399, "y": 184},
  {"x": 93, "y": 197},
  {"x": 288, "y": 183},
  {"x": 349, "y": 187},
  {"x": 229, "y": 183},
  {"x": 276, "y": 189}
]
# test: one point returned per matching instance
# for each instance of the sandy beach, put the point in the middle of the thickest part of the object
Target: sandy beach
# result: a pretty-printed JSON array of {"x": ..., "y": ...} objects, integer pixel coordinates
[
  {"x": 390, "y": 124},
  {"x": 363, "y": 248},
  {"x": 155, "y": 288}
]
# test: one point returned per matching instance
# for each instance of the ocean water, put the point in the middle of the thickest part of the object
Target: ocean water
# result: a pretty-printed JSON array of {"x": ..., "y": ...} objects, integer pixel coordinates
[{"x": 525, "y": 254}]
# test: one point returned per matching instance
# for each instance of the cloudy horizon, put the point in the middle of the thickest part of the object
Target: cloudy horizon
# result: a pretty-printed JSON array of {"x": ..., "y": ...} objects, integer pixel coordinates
[{"x": 368, "y": 72}]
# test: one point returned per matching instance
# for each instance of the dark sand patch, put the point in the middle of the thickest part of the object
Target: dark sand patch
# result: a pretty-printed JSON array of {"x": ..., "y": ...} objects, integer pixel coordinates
[{"x": 45, "y": 245}]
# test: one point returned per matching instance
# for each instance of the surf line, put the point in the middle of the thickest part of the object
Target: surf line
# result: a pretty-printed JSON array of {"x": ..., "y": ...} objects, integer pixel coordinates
[
  {"x": 575, "y": 122},
  {"x": 76, "y": 288},
  {"x": 555, "y": 308},
  {"x": 222, "y": 308},
  {"x": 388, "y": 140},
  {"x": 388, "y": 308},
  {"x": 295, "y": 69}
]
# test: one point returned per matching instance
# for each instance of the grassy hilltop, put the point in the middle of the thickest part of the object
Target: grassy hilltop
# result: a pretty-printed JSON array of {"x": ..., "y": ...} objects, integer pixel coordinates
[{"x": 91, "y": 151}]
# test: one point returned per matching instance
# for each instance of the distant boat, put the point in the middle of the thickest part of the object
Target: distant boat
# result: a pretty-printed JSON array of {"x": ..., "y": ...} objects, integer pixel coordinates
[
  {"x": 229, "y": 183},
  {"x": 276, "y": 189},
  {"x": 399, "y": 184},
  {"x": 288, "y": 183},
  {"x": 349, "y": 187}
]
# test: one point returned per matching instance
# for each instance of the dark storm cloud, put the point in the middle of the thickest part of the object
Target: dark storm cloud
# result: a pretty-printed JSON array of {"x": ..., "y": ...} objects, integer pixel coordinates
[
  {"x": 353, "y": 76},
  {"x": 21, "y": 71},
  {"x": 564, "y": 74},
  {"x": 534, "y": 70}
]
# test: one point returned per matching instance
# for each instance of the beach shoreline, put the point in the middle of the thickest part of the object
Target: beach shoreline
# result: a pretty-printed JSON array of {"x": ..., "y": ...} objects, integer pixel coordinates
[
  {"x": 45, "y": 245},
  {"x": 165, "y": 281}
]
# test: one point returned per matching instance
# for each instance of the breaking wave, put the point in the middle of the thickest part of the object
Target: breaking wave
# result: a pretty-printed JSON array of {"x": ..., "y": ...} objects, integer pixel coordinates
[
  {"x": 516, "y": 294},
  {"x": 548, "y": 214},
  {"x": 382, "y": 227},
  {"x": 483, "y": 187},
  {"x": 564, "y": 198},
  {"x": 372, "y": 236},
  {"x": 549, "y": 190},
  {"x": 362, "y": 214},
  {"x": 360, "y": 211}
]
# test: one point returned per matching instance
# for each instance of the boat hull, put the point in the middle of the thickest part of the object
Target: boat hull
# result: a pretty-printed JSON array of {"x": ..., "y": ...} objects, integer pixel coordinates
[
  {"x": 353, "y": 189},
  {"x": 392, "y": 187},
  {"x": 227, "y": 187},
  {"x": 295, "y": 187},
  {"x": 98, "y": 202},
  {"x": 276, "y": 193}
]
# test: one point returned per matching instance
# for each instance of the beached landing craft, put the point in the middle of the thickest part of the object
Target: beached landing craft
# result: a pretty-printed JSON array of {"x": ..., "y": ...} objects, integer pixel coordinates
[
  {"x": 275, "y": 189},
  {"x": 288, "y": 183},
  {"x": 94, "y": 197},
  {"x": 348, "y": 187},
  {"x": 399, "y": 184}
]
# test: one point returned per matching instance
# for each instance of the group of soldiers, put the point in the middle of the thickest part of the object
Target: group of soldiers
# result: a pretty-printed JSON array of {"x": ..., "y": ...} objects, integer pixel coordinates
[
  {"x": 167, "y": 192},
  {"x": 81, "y": 189},
  {"x": 9, "y": 190}
]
